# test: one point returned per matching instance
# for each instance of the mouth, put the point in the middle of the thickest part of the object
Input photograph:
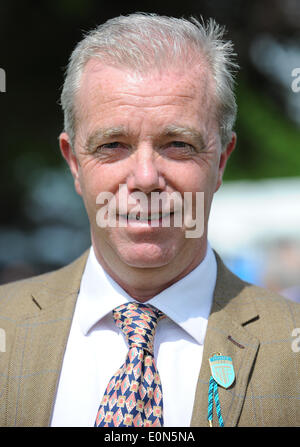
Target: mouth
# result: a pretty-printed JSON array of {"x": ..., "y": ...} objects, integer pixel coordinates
[{"x": 146, "y": 219}]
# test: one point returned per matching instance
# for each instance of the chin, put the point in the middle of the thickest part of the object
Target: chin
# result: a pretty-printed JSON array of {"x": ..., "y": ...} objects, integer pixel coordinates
[{"x": 147, "y": 257}]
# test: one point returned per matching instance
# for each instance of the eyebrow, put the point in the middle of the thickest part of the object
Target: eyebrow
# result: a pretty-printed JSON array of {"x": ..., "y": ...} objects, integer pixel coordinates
[
  {"x": 170, "y": 131},
  {"x": 110, "y": 132},
  {"x": 178, "y": 131}
]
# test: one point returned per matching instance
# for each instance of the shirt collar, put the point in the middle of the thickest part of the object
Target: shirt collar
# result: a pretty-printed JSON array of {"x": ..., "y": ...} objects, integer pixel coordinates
[{"x": 187, "y": 302}]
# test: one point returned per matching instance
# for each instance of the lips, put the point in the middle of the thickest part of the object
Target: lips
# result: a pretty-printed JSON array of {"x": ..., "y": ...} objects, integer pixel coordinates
[{"x": 145, "y": 217}]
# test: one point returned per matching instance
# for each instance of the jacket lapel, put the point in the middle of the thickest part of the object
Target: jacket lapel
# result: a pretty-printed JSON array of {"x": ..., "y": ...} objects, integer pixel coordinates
[
  {"x": 233, "y": 309},
  {"x": 39, "y": 345}
]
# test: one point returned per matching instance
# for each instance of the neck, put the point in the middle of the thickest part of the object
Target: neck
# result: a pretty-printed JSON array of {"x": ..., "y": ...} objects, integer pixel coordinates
[{"x": 142, "y": 284}]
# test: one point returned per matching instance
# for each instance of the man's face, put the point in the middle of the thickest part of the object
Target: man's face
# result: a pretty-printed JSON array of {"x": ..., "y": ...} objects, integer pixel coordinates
[{"x": 152, "y": 133}]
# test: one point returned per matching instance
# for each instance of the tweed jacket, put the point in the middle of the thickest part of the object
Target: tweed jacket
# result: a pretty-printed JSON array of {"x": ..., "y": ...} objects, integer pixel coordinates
[{"x": 250, "y": 324}]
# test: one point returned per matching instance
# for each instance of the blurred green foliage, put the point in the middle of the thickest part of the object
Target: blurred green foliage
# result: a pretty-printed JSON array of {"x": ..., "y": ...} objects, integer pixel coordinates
[{"x": 268, "y": 143}]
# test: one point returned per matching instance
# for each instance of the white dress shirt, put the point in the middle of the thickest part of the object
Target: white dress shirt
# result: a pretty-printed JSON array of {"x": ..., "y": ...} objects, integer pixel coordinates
[{"x": 96, "y": 348}]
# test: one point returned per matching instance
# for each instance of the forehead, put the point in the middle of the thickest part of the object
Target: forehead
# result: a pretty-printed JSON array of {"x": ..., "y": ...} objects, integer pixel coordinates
[
  {"x": 107, "y": 91},
  {"x": 182, "y": 80}
]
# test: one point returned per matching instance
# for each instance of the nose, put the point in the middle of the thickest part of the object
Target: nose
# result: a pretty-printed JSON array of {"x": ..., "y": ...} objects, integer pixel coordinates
[{"x": 145, "y": 175}]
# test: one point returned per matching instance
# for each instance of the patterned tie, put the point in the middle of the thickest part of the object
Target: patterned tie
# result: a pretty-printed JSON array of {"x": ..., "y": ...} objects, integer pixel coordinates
[{"x": 133, "y": 396}]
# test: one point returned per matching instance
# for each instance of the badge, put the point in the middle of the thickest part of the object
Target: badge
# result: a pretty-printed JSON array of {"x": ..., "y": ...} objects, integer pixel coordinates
[
  {"x": 221, "y": 367},
  {"x": 222, "y": 373}
]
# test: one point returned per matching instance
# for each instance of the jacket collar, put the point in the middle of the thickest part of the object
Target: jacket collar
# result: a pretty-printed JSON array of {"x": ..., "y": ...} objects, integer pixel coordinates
[
  {"x": 43, "y": 322},
  {"x": 50, "y": 289},
  {"x": 233, "y": 310}
]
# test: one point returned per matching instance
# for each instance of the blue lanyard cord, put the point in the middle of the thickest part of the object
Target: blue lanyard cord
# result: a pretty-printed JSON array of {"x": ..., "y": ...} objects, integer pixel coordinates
[
  {"x": 210, "y": 401},
  {"x": 213, "y": 394}
]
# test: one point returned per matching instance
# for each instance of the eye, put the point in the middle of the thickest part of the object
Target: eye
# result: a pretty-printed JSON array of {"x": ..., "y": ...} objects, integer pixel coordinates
[
  {"x": 180, "y": 144},
  {"x": 179, "y": 148},
  {"x": 111, "y": 151},
  {"x": 112, "y": 145}
]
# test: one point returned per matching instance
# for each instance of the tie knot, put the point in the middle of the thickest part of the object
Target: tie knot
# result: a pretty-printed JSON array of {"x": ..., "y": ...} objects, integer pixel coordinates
[{"x": 138, "y": 322}]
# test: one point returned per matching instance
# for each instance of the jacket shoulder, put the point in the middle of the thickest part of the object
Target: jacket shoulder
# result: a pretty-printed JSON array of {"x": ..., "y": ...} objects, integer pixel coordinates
[
  {"x": 232, "y": 289},
  {"x": 272, "y": 304},
  {"x": 18, "y": 298},
  {"x": 278, "y": 319}
]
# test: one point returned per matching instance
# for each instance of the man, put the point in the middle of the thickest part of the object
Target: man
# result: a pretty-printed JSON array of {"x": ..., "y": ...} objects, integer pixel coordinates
[{"x": 149, "y": 108}]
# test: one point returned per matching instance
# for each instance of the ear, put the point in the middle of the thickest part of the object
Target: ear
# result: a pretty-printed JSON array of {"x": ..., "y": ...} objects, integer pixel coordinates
[
  {"x": 71, "y": 159},
  {"x": 223, "y": 159}
]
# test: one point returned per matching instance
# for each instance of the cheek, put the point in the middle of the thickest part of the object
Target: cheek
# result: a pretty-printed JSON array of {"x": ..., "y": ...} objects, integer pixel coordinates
[
  {"x": 199, "y": 178},
  {"x": 90, "y": 185},
  {"x": 195, "y": 177},
  {"x": 95, "y": 179}
]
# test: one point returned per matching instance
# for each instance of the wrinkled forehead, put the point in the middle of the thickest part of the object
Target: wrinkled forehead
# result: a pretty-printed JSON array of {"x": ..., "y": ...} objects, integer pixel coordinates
[{"x": 100, "y": 82}]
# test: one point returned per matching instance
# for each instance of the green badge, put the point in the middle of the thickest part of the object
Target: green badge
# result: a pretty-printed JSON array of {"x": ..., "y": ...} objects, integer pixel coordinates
[{"x": 222, "y": 370}]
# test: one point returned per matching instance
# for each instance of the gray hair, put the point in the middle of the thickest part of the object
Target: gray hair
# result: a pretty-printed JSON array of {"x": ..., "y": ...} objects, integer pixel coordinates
[{"x": 143, "y": 41}]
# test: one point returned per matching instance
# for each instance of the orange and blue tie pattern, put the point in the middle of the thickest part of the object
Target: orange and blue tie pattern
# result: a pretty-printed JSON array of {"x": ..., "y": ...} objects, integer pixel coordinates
[{"x": 133, "y": 397}]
